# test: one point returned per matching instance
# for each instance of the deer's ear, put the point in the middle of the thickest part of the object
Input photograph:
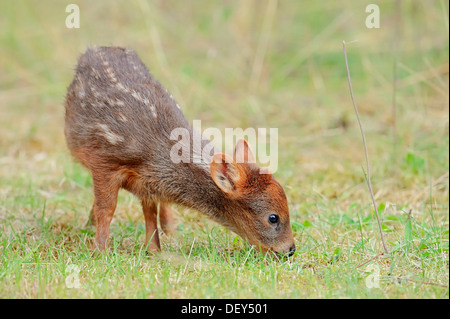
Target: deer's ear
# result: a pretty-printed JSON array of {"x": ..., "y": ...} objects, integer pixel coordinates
[
  {"x": 225, "y": 173},
  {"x": 243, "y": 152}
]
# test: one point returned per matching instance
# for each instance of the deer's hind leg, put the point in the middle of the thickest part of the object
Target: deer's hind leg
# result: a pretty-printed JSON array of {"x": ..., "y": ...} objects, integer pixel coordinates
[
  {"x": 166, "y": 219},
  {"x": 91, "y": 221},
  {"x": 150, "y": 209}
]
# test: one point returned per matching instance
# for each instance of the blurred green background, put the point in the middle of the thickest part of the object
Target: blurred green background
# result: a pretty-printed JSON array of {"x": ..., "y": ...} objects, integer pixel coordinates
[{"x": 242, "y": 64}]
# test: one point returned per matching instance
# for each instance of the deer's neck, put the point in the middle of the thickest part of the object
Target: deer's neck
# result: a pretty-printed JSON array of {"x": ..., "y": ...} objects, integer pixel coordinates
[{"x": 189, "y": 182}]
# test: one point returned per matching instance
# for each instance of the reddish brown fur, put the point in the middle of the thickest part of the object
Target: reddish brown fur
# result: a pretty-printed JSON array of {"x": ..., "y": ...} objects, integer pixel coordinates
[{"x": 118, "y": 124}]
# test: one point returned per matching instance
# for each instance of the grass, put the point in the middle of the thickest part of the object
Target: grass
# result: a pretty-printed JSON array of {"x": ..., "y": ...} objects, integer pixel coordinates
[{"x": 224, "y": 71}]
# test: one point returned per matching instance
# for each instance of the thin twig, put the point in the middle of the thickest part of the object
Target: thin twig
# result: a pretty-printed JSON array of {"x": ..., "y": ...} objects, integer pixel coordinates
[
  {"x": 376, "y": 256},
  {"x": 369, "y": 183}
]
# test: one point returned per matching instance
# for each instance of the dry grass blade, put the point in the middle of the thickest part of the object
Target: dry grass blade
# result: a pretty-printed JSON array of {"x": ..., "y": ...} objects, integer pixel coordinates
[
  {"x": 263, "y": 44},
  {"x": 367, "y": 261},
  {"x": 369, "y": 184},
  {"x": 420, "y": 282}
]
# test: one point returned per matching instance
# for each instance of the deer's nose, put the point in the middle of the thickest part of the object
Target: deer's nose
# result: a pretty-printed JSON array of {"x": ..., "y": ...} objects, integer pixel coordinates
[{"x": 292, "y": 250}]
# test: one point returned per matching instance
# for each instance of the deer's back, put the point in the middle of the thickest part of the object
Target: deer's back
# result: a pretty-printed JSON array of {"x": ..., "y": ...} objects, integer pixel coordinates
[{"x": 116, "y": 111}]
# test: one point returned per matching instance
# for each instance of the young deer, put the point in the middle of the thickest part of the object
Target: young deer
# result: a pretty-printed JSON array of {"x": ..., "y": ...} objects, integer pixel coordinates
[{"x": 118, "y": 124}]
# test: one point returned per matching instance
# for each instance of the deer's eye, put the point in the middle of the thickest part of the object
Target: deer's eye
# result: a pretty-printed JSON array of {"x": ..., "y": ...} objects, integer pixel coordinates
[{"x": 273, "y": 219}]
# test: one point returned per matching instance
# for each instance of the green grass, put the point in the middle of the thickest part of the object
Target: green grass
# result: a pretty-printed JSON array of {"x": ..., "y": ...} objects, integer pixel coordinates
[{"x": 207, "y": 55}]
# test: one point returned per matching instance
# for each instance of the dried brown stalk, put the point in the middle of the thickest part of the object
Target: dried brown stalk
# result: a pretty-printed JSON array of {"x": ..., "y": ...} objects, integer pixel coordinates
[{"x": 369, "y": 183}]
